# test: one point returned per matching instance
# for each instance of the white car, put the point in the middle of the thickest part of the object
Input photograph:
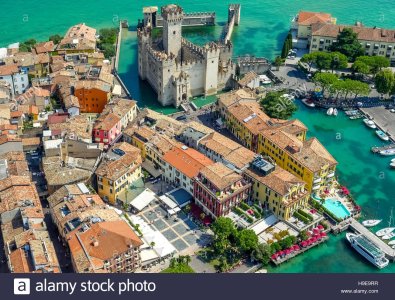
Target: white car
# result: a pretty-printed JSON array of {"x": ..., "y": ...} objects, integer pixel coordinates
[{"x": 392, "y": 110}]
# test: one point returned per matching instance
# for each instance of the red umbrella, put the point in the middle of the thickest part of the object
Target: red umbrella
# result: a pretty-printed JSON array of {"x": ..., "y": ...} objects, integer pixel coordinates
[
  {"x": 287, "y": 252},
  {"x": 323, "y": 234},
  {"x": 296, "y": 248},
  {"x": 316, "y": 230},
  {"x": 320, "y": 227}
]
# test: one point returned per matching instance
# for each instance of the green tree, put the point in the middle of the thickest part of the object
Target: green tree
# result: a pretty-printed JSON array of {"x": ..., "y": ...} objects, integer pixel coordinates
[
  {"x": 223, "y": 228},
  {"x": 262, "y": 254},
  {"x": 56, "y": 38},
  {"x": 303, "y": 235},
  {"x": 309, "y": 59},
  {"x": 357, "y": 88},
  {"x": 385, "y": 81},
  {"x": 374, "y": 63},
  {"x": 247, "y": 240},
  {"x": 277, "y": 106},
  {"x": 324, "y": 80},
  {"x": 278, "y": 62},
  {"x": 360, "y": 67},
  {"x": 323, "y": 61},
  {"x": 338, "y": 61},
  {"x": 348, "y": 44},
  {"x": 27, "y": 46},
  {"x": 287, "y": 45}
]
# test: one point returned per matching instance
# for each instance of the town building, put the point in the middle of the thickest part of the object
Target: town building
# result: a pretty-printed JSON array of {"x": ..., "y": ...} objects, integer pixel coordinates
[
  {"x": 105, "y": 247},
  {"x": 305, "y": 19},
  {"x": 17, "y": 78},
  {"x": 92, "y": 95},
  {"x": 374, "y": 40},
  {"x": 125, "y": 109},
  {"x": 120, "y": 167},
  {"x": 306, "y": 159},
  {"x": 182, "y": 165},
  {"x": 276, "y": 189},
  {"x": 107, "y": 129},
  {"x": 176, "y": 68},
  {"x": 79, "y": 37},
  {"x": 218, "y": 189}
]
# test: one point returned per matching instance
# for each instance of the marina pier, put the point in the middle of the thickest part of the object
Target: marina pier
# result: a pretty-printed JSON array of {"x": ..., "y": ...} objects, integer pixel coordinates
[{"x": 357, "y": 227}]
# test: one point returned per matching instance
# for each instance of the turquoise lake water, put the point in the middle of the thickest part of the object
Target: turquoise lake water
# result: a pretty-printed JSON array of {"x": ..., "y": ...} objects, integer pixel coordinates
[{"x": 263, "y": 27}]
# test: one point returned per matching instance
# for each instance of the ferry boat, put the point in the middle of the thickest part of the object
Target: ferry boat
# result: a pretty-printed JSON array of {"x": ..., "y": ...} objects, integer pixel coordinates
[
  {"x": 368, "y": 250},
  {"x": 329, "y": 112},
  {"x": 371, "y": 223},
  {"x": 382, "y": 135},
  {"x": 369, "y": 123},
  {"x": 308, "y": 102}
]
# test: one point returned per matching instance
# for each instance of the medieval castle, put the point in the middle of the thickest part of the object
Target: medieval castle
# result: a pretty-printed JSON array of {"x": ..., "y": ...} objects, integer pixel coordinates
[{"x": 178, "y": 69}]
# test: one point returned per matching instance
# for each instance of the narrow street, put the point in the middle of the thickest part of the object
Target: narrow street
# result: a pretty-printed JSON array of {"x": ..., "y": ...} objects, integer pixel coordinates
[{"x": 38, "y": 179}]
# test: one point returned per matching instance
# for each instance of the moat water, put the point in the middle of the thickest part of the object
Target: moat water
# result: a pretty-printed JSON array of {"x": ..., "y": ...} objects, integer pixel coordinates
[{"x": 264, "y": 25}]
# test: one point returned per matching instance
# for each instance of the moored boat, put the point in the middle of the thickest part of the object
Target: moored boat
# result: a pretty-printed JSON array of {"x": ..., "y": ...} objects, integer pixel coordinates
[
  {"x": 371, "y": 223},
  {"x": 391, "y": 243},
  {"x": 335, "y": 112},
  {"x": 329, "y": 112},
  {"x": 369, "y": 123},
  {"x": 308, "y": 102},
  {"x": 388, "y": 152},
  {"x": 368, "y": 249},
  {"x": 382, "y": 135},
  {"x": 387, "y": 230},
  {"x": 392, "y": 165},
  {"x": 388, "y": 236}
]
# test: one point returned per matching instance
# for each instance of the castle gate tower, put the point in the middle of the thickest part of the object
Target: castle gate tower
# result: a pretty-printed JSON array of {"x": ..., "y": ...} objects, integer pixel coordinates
[{"x": 172, "y": 22}]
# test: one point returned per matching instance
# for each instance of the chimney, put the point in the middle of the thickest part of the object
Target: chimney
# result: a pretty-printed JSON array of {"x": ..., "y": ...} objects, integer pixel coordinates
[{"x": 95, "y": 243}]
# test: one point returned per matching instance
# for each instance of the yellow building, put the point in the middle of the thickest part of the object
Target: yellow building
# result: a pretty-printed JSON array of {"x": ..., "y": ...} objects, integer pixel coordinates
[
  {"x": 307, "y": 159},
  {"x": 120, "y": 168},
  {"x": 277, "y": 189}
]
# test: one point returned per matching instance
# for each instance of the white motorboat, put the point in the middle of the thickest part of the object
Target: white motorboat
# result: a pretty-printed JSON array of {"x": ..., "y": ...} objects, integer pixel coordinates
[
  {"x": 335, "y": 112},
  {"x": 368, "y": 249},
  {"x": 382, "y": 135},
  {"x": 388, "y": 152},
  {"x": 329, "y": 112},
  {"x": 369, "y": 123},
  {"x": 308, "y": 102},
  {"x": 392, "y": 165},
  {"x": 387, "y": 230},
  {"x": 371, "y": 223},
  {"x": 391, "y": 243},
  {"x": 393, "y": 160},
  {"x": 388, "y": 236}
]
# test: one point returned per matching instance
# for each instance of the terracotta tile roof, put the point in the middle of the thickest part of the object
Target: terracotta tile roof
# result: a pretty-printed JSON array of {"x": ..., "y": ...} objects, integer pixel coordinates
[
  {"x": 93, "y": 247},
  {"x": 34, "y": 141},
  {"x": 19, "y": 262},
  {"x": 232, "y": 97},
  {"x": 280, "y": 180},
  {"x": 8, "y": 70},
  {"x": 57, "y": 118},
  {"x": 220, "y": 175},
  {"x": 16, "y": 114},
  {"x": 28, "y": 109},
  {"x": 114, "y": 169},
  {"x": 364, "y": 33},
  {"x": 248, "y": 77},
  {"x": 45, "y": 47},
  {"x": 120, "y": 107},
  {"x": 188, "y": 161},
  {"x": 106, "y": 122},
  {"x": 93, "y": 84},
  {"x": 308, "y": 18}
]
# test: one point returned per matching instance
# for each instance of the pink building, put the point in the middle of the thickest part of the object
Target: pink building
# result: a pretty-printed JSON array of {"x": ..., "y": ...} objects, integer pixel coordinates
[{"x": 107, "y": 129}]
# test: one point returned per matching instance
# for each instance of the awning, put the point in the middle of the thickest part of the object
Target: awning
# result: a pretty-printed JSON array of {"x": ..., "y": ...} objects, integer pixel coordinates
[
  {"x": 168, "y": 202},
  {"x": 143, "y": 199},
  {"x": 150, "y": 168}
]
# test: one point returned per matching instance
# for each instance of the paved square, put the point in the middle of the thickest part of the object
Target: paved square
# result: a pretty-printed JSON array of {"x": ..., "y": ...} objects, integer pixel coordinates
[
  {"x": 169, "y": 234},
  {"x": 160, "y": 225},
  {"x": 191, "y": 239},
  {"x": 150, "y": 216},
  {"x": 181, "y": 215},
  {"x": 180, "y": 229},
  {"x": 179, "y": 245},
  {"x": 190, "y": 224}
]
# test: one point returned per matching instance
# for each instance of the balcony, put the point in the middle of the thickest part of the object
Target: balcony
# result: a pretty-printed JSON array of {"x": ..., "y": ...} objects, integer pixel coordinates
[
  {"x": 317, "y": 180},
  {"x": 330, "y": 175}
]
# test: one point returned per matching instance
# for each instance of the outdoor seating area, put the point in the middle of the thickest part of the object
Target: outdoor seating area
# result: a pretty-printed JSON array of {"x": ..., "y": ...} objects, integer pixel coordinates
[
  {"x": 305, "y": 219},
  {"x": 276, "y": 232},
  {"x": 315, "y": 237},
  {"x": 199, "y": 216}
]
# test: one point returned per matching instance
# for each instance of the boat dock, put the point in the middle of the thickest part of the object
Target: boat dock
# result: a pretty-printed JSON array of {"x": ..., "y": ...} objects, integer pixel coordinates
[
  {"x": 384, "y": 119},
  {"x": 387, "y": 147},
  {"x": 359, "y": 228}
]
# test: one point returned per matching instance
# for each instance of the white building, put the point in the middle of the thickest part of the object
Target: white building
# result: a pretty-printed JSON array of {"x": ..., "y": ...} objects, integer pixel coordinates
[
  {"x": 17, "y": 78},
  {"x": 182, "y": 165}
]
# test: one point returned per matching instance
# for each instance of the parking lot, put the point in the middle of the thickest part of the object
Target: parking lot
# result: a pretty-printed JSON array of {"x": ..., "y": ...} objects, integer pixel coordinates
[{"x": 182, "y": 232}]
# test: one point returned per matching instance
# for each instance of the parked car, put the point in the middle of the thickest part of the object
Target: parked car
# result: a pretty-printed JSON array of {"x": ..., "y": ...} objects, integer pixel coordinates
[{"x": 180, "y": 118}]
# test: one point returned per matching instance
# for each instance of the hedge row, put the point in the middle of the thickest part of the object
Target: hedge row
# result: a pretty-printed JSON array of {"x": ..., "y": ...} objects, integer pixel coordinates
[{"x": 305, "y": 214}]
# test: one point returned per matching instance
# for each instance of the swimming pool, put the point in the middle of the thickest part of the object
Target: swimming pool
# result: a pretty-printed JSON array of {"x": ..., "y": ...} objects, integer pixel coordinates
[{"x": 336, "y": 207}]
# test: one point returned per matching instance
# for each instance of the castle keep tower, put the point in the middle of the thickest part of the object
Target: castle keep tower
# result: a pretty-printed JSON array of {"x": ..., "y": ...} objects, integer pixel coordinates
[{"x": 172, "y": 23}]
